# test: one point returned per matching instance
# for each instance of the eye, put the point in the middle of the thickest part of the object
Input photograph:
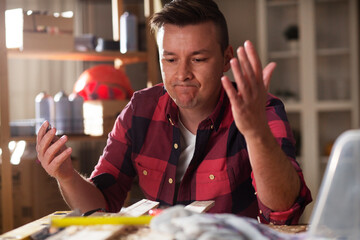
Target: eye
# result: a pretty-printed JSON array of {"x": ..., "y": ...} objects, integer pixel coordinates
[
  {"x": 170, "y": 60},
  {"x": 199, "y": 60}
]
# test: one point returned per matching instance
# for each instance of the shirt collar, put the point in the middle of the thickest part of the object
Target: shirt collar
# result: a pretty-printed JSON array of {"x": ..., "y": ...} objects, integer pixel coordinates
[{"x": 213, "y": 121}]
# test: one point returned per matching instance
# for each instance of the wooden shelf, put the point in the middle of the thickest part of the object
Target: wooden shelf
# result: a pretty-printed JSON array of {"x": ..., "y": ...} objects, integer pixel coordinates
[
  {"x": 119, "y": 59},
  {"x": 320, "y": 56},
  {"x": 71, "y": 138},
  {"x": 284, "y": 54},
  {"x": 282, "y": 3},
  {"x": 293, "y": 106},
  {"x": 329, "y": 1},
  {"x": 332, "y": 51},
  {"x": 106, "y": 56},
  {"x": 335, "y": 105},
  {"x": 321, "y": 106}
]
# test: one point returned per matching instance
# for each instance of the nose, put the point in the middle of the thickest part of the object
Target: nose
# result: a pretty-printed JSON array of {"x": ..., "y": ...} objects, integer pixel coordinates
[{"x": 184, "y": 71}]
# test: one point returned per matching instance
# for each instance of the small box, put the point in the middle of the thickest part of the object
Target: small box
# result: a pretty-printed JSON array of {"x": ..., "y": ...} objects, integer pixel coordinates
[
  {"x": 48, "y": 42},
  {"x": 47, "y": 32},
  {"x": 38, "y": 31},
  {"x": 100, "y": 115}
]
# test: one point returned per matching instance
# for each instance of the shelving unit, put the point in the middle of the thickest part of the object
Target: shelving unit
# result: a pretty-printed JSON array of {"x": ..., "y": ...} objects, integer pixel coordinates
[
  {"x": 106, "y": 56},
  {"x": 320, "y": 75},
  {"x": 110, "y": 56},
  {"x": 6, "y": 177}
]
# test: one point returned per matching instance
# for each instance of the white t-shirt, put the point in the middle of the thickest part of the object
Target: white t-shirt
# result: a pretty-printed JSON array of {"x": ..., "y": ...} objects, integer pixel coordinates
[{"x": 187, "y": 143}]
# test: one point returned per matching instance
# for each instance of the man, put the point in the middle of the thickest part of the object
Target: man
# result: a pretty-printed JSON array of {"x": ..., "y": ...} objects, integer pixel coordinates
[{"x": 197, "y": 136}]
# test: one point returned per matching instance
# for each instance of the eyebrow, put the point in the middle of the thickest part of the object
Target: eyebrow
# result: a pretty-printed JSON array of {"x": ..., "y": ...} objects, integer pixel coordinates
[{"x": 202, "y": 51}]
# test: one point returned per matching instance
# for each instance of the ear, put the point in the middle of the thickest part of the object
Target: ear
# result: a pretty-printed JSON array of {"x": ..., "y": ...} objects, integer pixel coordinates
[{"x": 228, "y": 55}]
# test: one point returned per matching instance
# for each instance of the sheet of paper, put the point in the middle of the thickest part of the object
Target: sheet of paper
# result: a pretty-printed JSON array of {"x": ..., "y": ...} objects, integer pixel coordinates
[
  {"x": 200, "y": 206},
  {"x": 139, "y": 208}
]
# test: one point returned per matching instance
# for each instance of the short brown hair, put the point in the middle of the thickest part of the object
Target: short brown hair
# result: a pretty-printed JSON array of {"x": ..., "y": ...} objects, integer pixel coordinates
[{"x": 188, "y": 12}]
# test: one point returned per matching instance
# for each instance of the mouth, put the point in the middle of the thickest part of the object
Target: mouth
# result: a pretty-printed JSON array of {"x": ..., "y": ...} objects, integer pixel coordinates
[
  {"x": 185, "y": 85},
  {"x": 185, "y": 88}
]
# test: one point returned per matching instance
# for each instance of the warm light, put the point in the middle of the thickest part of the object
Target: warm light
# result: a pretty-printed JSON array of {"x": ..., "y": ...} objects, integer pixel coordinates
[
  {"x": 14, "y": 22},
  {"x": 67, "y": 14},
  {"x": 81, "y": 82},
  {"x": 12, "y": 145},
  {"x": 18, "y": 152}
]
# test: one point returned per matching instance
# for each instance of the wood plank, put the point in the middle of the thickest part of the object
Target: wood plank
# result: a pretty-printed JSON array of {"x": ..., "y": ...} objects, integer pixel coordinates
[
  {"x": 153, "y": 62},
  {"x": 200, "y": 206},
  {"x": 117, "y": 8},
  {"x": 6, "y": 178},
  {"x": 139, "y": 208},
  {"x": 72, "y": 138},
  {"x": 25, "y": 231}
]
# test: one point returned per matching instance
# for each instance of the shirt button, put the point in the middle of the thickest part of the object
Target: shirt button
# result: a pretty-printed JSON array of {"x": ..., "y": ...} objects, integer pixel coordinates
[
  {"x": 260, "y": 211},
  {"x": 212, "y": 126},
  {"x": 176, "y": 146},
  {"x": 212, "y": 177},
  {"x": 170, "y": 180},
  {"x": 145, "y": 172},
  {"x": 255, "y": 193}
]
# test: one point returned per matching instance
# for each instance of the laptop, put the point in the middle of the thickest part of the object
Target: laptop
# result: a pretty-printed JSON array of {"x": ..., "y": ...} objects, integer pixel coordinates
[{"x": 336, "y": 213}]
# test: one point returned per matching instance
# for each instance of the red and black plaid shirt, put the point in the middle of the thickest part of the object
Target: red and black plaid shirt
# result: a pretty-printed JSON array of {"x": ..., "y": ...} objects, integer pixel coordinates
[{"x": 145, "y": 141}]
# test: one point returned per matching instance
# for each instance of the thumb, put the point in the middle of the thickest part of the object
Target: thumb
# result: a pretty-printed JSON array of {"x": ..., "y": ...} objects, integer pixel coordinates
[{"x": 267, "y": 73}]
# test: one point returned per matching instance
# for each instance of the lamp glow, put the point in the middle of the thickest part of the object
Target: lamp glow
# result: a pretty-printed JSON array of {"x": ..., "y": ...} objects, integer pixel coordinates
[
  {"x": 14, "y": 23},
  {"x": 18, "y": 152}
]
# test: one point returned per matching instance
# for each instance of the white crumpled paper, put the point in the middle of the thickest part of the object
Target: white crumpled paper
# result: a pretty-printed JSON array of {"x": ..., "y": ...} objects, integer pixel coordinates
[{"x": 183, "y": 224}]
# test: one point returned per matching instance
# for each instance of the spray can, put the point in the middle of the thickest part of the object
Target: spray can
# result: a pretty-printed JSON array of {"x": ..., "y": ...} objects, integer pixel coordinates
[
  {"x": 128, "y": 32},
  {"x": 77, "y": 119},
  {"x": 62, "y": 113},
  {"x": 44, "y": 109}
]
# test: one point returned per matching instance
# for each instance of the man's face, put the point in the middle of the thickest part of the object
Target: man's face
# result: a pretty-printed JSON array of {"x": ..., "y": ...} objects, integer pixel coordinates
[{"x": 192, "y": 64}]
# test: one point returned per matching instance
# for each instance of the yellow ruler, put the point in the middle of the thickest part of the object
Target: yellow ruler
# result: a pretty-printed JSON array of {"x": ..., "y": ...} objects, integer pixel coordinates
[{"x": 108, "y": 220}]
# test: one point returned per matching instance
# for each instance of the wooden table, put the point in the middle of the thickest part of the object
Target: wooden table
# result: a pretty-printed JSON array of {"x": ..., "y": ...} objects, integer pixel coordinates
[{"x": 120, "y": 231}]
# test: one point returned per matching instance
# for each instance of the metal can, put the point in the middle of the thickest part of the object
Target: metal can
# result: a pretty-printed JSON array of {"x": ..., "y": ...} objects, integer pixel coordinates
[
  {"x": 44, "y": 109},
  {"x": 62, "y": 113},
  {"x": 77, "y": 118},
  {"x": 128, "y": 32}
]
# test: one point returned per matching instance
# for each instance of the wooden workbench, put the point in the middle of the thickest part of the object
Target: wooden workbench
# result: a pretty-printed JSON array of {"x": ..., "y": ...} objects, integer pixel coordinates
[{"x": 119, "y": 231}]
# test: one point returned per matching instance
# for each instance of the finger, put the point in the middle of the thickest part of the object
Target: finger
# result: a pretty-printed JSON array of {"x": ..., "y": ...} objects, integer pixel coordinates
[
  {"x": 44, "y": 143},
  {"x": 50, "y": 137},
  {"x": 42, "y": 131},
  {"x": 267, "y": 73},
  {"x": 229, "y": 88},
  {"x": 242, "y": 84},
  {"x": 254, "y": 59},
  {"x": 60, "y": 159},
  {"x": 54, "y": 149},
  {"x": 247, "y": 70}
]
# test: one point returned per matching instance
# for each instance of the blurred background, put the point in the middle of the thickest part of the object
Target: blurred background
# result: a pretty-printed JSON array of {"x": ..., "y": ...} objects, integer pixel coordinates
[{"x": 314, "y": 42}]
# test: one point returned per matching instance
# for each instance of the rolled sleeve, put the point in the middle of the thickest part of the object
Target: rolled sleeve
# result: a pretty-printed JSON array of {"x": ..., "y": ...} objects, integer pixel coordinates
[{"x": 290, "y": 216}]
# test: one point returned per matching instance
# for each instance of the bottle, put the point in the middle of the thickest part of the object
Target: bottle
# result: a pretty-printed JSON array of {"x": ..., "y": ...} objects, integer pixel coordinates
[
  {"x": 77, "y": 119},
  {"x": 44, "y": 109},
  {"x": 62, "y": 113},
  {"x": 128, "y": 32}
]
